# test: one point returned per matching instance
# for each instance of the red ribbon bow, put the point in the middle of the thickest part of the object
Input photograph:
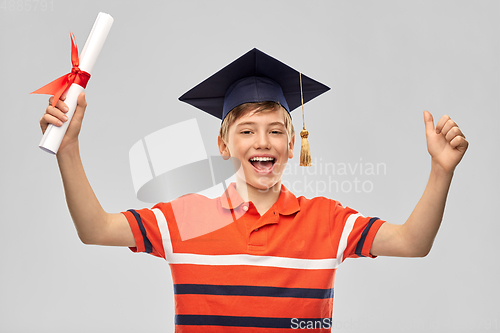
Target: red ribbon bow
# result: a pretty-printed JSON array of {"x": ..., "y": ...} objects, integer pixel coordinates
[{"x": 58, "y": 86}]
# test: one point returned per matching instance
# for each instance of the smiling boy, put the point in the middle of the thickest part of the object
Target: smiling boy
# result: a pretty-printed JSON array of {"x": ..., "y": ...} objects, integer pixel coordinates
[
  {"x": 257, "y": 137},
  {"x": 270, "y": 262}
]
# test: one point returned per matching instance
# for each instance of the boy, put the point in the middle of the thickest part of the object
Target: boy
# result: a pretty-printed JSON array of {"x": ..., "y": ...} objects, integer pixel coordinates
[{"x": 257, "y": 258}]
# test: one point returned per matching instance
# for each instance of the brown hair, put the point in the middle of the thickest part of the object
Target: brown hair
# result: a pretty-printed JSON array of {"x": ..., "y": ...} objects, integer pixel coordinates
[{"x": 244, "y": 108}]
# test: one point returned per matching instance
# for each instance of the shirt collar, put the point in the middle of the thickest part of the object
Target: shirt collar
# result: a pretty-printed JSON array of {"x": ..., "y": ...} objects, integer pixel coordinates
[
  {"x": 287, "y": 202},
  {"x": 230, "y": 199}
]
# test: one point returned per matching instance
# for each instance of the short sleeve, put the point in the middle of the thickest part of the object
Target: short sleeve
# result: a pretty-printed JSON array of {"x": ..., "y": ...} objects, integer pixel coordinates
[
  {"x": 352, "y": 233},
  {"x": 150, "y": 229}
]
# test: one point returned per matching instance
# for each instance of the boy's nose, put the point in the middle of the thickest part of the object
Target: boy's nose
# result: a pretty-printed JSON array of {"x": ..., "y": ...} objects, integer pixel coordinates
[{"x": 262, "y": 141}]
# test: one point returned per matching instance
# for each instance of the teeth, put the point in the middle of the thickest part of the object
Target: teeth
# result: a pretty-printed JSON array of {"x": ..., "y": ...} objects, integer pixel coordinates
[{"x": 262, "y": 159}]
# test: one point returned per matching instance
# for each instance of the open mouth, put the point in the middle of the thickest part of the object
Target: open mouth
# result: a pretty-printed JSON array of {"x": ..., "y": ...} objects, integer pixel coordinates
[{"x": 263, "y": 164}]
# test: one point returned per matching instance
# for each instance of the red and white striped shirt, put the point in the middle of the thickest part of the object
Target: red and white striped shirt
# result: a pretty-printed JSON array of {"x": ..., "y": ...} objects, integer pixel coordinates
[{"x": 234, "y": 270}]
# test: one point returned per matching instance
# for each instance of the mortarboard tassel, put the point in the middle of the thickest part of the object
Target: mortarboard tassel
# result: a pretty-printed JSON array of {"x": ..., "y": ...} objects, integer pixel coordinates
[{"x": 305, "y": 151}]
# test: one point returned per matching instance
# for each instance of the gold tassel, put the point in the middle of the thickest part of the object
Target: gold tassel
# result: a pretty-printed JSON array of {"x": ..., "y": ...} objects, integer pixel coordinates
[{"x": 305, "y": 151}]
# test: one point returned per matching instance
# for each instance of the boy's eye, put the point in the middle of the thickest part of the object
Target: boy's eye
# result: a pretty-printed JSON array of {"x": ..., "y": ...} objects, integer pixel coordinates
[{"x": 273, "y": 132}]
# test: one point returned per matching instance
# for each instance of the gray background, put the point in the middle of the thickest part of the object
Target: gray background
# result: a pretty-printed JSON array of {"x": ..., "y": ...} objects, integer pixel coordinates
[{"x": 386, "y": 62}]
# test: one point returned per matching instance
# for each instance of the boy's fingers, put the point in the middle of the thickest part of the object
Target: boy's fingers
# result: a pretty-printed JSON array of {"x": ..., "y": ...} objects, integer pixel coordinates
[
  {"x": 441, "y": 123},
  {"x": 81, "y": 99},
  {"x": 81, "y": 105},
  {"x": 448, "y": 125},
  {"x": 429, "y": 122},
  {"x": 453, "y": 133},
  {"x": 60, "y": 104},
  {"x": 459, "y": 143},
  {"x": 56, "y": 113},
  {"x": 49, "y": 119},
  {"x": 81, "y": 102}
]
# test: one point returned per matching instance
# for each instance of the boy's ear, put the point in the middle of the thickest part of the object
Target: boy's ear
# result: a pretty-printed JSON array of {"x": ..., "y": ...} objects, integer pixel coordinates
[
  {"x": 291, "y": 144},
  {"x": 223, "y": 149}
]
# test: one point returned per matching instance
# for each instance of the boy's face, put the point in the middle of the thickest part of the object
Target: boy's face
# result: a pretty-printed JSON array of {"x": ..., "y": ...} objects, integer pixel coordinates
[{"x": 259, "y": 136}]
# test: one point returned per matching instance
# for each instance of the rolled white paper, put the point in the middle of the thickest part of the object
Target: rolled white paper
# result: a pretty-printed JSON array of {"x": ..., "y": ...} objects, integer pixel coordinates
[{"x": 54, "y": 135}]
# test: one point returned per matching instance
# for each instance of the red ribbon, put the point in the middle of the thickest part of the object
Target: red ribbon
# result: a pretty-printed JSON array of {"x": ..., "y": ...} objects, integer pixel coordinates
[{"x": 58, "y": 86}]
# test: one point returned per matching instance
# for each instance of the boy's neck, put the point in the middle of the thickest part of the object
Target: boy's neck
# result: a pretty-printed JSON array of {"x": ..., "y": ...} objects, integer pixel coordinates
[{"x": 262, "y": 199}]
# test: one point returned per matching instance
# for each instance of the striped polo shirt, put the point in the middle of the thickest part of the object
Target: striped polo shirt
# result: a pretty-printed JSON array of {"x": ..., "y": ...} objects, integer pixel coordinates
[{"x": 237, "y": 271}]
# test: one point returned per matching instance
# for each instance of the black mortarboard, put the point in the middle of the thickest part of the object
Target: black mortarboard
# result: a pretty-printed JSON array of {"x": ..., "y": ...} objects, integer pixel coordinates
[{"x": 253, "y": 77}]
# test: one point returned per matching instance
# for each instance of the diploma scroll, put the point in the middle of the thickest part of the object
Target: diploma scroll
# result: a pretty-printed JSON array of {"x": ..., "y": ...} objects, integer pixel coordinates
[{"x": 54, "y": 135}]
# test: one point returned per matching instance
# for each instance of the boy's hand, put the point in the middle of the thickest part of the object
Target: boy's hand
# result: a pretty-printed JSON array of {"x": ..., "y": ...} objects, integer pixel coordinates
[
  {"x": 56, "y": 115},
  {"x": 446, "y": 143}
]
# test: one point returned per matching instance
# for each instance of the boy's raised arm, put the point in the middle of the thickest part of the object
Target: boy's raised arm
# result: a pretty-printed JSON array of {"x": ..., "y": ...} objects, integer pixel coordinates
[
  {"x": 446, "y": 144},
  {"x": 93, "y": 224}
]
